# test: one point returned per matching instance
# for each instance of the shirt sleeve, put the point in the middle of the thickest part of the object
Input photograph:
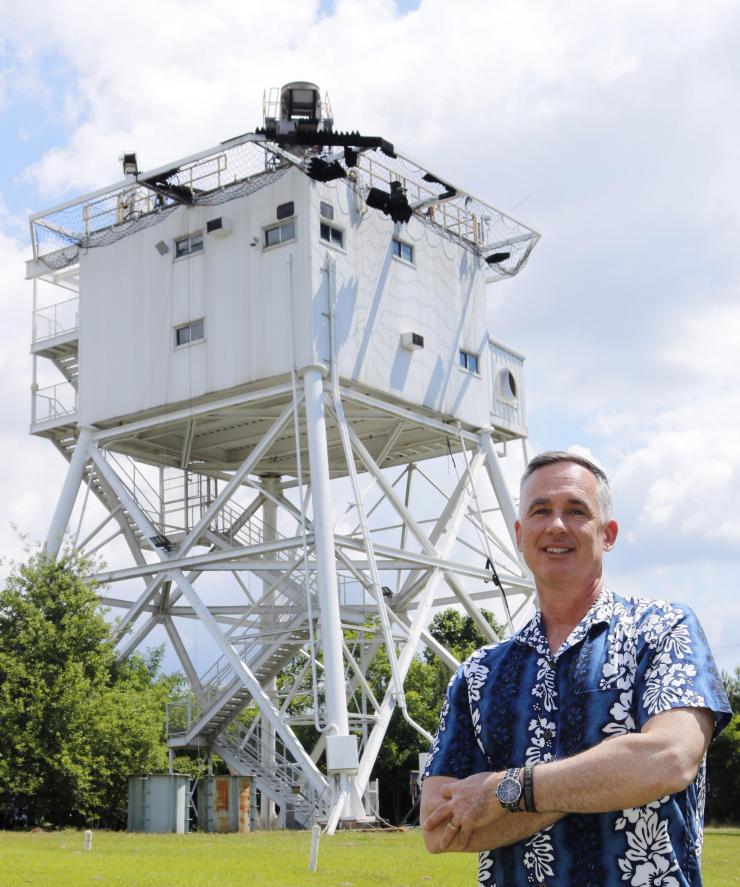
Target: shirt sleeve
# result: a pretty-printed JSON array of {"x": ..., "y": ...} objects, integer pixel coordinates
[
  {"x": 677, "y": 668},
  {"x": 455, "y": 751}
]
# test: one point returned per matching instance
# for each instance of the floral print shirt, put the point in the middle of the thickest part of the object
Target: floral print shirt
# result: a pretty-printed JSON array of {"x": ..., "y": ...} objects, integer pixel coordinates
[{"x": 515, "y": 702}]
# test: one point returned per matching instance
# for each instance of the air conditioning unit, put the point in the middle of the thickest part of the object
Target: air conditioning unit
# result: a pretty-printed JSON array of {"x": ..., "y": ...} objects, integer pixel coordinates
[
  {"x": 219, "y": 227},
  {"x": 412, "y": 341}
]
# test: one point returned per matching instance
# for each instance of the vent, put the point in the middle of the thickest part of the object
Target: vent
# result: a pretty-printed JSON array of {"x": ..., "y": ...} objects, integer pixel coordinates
[
  {"x": 412, "y": 341},
  {"x": 219, "y": 227}
]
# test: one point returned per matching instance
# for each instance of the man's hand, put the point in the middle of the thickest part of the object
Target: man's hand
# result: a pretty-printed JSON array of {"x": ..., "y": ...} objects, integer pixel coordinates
[
  {"x": 508, "y": 828},
  {"x": 468, "y": 804}
]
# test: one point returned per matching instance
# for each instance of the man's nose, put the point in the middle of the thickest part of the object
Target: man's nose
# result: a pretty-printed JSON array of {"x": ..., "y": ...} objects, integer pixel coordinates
[{"x": 556, "y": 523}]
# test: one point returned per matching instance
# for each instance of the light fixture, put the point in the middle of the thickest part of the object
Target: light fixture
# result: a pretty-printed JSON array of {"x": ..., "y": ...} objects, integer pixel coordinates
[
  {"x": 322, "y": 171},
  {"x": 130, "y": 166},
  {"x": 495, "y": 258},
  {"x": 162, "y": 542},
  {"x": 394, "y": 204},
  {"x": 162, "y": 248}
]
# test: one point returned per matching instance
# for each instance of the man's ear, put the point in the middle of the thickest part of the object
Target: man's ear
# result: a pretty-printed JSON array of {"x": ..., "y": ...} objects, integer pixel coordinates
[
  {"x": 518, "y": 531},
  {"x": 611, "y": 530}
]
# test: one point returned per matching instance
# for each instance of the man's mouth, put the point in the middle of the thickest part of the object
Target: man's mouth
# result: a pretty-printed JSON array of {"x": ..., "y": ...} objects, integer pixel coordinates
[{"x": 557, "y": 549}]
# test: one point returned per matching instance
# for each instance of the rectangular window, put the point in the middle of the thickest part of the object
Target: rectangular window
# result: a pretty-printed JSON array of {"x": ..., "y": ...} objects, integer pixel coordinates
[
  {"x": 326, "y": 210},
  {"x": 332, "y": 235},
  {"x": 191, "y": 243},
  {"x": 285, "y": 210},
  {"x": 469, "y": 361},
  {"x": 280, "y": 233},
  {"x": 403, "y": 250},
  {"x": 190, "y": 332}
]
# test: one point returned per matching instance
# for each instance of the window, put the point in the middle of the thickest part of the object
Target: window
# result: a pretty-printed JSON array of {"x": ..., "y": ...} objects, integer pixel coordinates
[
  {"x": 332, "y": 235},
  {"x": 469, "y": 361},
  {"x": 326, "y": 210},
  {"x": 507, "y": 385},
  {"x": 285, "y": 210},
  {"x": 191, "y": 243},
  {"x": 280, "y": 233},
  {"x": 403, "y": 250},
  {"x": 190, "y": 332}
]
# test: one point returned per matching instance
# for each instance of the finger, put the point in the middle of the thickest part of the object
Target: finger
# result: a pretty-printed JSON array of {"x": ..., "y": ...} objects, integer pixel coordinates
[
  {"x": 447, "y": 835},
  {"x": 447, "y": 789},
  {"x": 440, "y": 815},
  {"x": 464, "y": 835}
]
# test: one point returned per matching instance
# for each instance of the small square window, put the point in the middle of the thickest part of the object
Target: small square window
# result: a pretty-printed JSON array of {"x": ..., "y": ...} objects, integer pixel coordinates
[
  {"x": 280, "y": 233},
  {"x": 326, "y": 210},
  {"x": 190, "y": 332},
  {"x": 332, "y": 235},
  {"x": 286, "y": 210},
  {"x": 403, "y": 250},
  {"x": 469, "y": 362},
  {"x": 191, "y": 243}
]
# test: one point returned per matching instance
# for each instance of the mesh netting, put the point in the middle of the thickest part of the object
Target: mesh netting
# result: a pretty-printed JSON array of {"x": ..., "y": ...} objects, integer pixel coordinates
[{"x": 249, "y": 163}]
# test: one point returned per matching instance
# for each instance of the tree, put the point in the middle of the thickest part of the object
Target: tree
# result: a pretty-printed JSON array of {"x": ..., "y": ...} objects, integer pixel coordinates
[
  {"x": 723, "y": 761},
  {"x": 74, "y": 722},
  {"x": 424, "y": 689},
  {"x": 459, "y": 633}
]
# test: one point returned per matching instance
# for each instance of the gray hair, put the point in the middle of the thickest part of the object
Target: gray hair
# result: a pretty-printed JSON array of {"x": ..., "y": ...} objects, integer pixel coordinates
[{"x": 553, "y": 457}]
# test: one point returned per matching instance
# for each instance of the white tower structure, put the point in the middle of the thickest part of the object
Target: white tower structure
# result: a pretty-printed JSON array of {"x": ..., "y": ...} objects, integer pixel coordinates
[{"x": 264, "y": 349}]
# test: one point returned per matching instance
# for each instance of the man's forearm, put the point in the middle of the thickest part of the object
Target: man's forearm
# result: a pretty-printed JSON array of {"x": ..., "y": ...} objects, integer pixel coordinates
[{"x": 625, "y": 771}]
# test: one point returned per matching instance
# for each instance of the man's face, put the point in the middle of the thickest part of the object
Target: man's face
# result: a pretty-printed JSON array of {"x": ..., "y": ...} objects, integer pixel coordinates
[{"x": 561, "y": 532}]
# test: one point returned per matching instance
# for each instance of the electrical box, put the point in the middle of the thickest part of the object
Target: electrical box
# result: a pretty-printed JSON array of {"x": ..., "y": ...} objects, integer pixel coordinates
[
  {"x": 341, "y": 754},
  {"x": 225, "y": 804},
  {"x": 158, "y": 803}
]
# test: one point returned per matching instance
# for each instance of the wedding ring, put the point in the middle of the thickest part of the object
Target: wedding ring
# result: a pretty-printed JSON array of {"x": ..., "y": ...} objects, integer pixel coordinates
[{"x": 455, "y": 828}]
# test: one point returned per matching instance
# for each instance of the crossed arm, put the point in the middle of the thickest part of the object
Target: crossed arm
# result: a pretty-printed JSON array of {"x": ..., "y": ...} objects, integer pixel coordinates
[{"x": 623, "y": 771}]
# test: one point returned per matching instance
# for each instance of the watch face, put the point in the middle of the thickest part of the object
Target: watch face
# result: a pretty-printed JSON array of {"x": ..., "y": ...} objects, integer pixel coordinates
[{"x": 508, "y": 790}]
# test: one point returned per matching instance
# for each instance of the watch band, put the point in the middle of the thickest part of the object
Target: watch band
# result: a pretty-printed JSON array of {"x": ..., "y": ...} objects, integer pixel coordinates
[{"x": 529, "y": 787}]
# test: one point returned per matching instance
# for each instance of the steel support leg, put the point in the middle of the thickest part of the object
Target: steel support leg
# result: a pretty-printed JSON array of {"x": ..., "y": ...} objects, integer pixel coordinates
[{"x": 68, "y": 496}]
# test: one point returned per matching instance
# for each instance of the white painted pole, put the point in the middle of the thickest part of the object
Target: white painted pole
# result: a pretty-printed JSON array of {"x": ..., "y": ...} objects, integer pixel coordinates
[
  {"x": 313, "y": 856},
  {"x": 326, "y": 575},
  {"x": 88, "y": 840},
  {"x": 267, "y": 620},
  {"x": 499, "y": 487},
  {"x": 68, "y": 496}
]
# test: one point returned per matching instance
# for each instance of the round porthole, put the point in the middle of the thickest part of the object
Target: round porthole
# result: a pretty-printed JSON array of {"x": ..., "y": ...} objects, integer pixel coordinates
[{"x": 507, "y": 385}]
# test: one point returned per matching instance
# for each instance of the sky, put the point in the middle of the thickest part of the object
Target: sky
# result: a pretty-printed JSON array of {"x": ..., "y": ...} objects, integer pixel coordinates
[{"x": 611, "y": 128}]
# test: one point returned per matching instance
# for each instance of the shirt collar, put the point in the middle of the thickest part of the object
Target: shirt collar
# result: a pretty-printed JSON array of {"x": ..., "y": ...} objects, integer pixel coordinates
[{"x": 533, "y": 633}]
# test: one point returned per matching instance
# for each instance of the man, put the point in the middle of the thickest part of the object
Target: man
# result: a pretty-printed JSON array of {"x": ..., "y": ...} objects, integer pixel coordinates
[{"x": 573, "y": 753}]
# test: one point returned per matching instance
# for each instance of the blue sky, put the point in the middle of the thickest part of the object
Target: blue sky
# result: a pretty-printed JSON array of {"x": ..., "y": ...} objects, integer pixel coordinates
[{"x": 613, "y": 134}]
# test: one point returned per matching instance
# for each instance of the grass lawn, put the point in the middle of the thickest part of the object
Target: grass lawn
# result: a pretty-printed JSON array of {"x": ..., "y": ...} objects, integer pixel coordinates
[{"x": 264, "y": 859}]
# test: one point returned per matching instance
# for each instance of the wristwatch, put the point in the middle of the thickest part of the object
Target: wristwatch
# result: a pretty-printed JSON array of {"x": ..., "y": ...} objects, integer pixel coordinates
[{"x": 509, "y": 790}]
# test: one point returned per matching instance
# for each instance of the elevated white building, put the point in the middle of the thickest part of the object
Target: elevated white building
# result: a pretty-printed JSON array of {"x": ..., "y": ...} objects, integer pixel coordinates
[{"x": 261, "y": 347}]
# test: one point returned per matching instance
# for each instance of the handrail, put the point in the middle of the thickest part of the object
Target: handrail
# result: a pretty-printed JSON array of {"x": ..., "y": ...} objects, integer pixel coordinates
[
  {"x": 55, "y": 326},
  {"x": 56, "y": 406}
]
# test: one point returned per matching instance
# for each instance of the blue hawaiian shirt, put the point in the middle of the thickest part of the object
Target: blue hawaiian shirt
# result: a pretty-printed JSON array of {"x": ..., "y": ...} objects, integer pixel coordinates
[{"x": 515, "y": 703}]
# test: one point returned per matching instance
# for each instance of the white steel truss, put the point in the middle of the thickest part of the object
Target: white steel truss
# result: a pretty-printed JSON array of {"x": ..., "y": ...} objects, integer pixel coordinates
[{"x": 301, "y": 605}]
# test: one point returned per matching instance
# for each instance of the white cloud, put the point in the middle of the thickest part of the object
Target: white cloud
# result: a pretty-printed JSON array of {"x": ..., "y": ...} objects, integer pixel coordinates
[{"x": 610, "y": 128}]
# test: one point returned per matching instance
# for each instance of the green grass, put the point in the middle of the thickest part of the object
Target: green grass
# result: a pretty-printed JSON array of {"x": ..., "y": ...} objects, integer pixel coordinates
[{"x": 265, "y": 859}]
